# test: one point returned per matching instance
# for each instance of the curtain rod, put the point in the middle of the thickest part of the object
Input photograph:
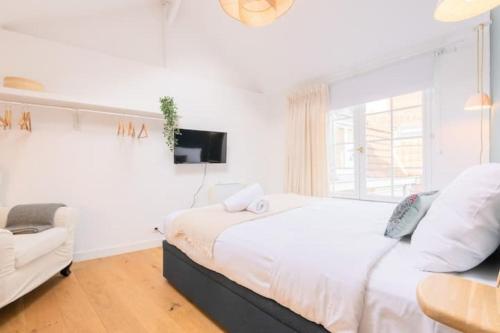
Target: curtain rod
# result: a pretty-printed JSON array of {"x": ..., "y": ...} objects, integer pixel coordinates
[{"x": 84, "y": 110}]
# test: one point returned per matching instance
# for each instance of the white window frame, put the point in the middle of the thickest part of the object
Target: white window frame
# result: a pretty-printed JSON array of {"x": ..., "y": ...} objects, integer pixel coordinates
[{"x": 359, "y": 141}]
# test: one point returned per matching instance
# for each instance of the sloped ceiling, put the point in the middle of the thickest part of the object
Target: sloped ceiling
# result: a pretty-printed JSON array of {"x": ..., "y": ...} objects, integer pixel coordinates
[{"x": 316, "y": 38}]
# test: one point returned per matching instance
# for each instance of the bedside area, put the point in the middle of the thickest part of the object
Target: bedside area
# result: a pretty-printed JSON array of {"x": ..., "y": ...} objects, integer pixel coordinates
[{"x": 462, "y": 304}]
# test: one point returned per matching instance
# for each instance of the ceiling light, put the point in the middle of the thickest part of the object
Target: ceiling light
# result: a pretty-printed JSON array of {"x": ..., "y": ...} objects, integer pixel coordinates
[
  {"x": 459, "y": 10},
  {"x": 256, "y": 13}
]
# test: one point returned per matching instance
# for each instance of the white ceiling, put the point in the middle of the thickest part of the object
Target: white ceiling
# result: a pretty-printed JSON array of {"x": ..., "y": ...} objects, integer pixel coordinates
[{"x": 315, "y": 39}]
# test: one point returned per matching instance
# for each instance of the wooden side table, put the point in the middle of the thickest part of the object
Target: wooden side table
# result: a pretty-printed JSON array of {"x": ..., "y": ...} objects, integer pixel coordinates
[{"x": 462, "y": 304}]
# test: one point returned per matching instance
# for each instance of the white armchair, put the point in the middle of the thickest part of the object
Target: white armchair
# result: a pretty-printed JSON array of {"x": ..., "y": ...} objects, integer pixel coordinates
[{"x": 27, "y": 261}]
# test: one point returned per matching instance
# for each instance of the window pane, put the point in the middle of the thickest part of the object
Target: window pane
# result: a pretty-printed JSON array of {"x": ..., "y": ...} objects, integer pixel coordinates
[
  {"x": 378, "y": 126},
  {"x": 344, "y": 174},
  {"x": 408, "y": 123},
  {"x": 407, "y": 186},
  {"x": 378, "y": 106},
  {"x": 408, "y": 166},
  {"x": 406, "y": 101},
  {"x": 379, "y": 168},
  {"x": 342, "y": 113},
  {"x": 408, "y": 154},
  {"x": 343, "y": 128}
]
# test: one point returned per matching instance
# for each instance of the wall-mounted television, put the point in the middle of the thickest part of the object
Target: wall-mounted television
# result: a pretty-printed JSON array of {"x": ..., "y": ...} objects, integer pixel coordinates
[{"x": 194, "y": 146}]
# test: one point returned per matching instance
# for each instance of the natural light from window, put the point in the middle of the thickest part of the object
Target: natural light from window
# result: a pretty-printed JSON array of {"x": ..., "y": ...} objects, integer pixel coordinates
[{"x": 376, "y": 150}]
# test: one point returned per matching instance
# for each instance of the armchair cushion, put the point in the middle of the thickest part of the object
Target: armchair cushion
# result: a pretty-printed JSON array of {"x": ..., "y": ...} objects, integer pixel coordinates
[
  {"x": 32, "y": 246},
  {"x": 7, "y": 254},
  {"x": 4, "y": 211}
]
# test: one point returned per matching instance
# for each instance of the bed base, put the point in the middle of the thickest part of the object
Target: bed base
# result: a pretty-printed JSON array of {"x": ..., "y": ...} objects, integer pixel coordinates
[{"x": 233, "y": 307}]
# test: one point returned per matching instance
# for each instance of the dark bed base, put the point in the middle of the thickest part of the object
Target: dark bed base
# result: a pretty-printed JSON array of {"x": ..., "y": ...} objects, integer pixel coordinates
[{"x": 233, "y": 307}]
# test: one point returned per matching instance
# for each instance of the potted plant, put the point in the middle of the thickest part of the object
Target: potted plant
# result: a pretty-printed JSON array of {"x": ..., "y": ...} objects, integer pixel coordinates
[{"x": 170, "y": 127}]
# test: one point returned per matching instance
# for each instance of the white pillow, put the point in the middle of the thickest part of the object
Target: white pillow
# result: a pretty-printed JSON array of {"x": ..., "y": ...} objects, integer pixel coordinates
[{"x": 462, "y": 227}]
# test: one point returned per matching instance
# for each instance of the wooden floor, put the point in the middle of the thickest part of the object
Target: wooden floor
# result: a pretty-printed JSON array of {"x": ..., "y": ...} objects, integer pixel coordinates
[{"x": 125, "y": 293}]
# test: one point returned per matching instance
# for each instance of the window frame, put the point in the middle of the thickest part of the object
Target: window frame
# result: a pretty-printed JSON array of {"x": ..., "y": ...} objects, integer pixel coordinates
[{"x": 359, "y": 140}]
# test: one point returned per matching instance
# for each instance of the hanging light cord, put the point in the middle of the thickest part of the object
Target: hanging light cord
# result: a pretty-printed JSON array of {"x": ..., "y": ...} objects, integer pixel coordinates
[
  {"x": 480, "y": 67},
  {"x": 480, "y": 87}
]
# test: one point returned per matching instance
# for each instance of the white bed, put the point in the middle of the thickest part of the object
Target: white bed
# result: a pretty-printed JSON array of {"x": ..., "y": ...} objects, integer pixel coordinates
[{"x": 249, "y": 254}]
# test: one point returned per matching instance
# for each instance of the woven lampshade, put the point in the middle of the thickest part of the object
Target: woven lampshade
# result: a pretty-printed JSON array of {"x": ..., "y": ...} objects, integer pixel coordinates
[
  {"x": 22, "y": 83},
  {"x": 256, "y": 13},
  {"x": 459, "y": 10}
]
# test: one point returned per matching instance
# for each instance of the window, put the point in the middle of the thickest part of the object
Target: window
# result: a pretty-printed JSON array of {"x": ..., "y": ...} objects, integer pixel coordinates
[{"x": 376, "y": 150}]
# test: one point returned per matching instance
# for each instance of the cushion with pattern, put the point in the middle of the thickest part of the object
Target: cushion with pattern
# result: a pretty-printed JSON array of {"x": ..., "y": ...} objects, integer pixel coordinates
[{"x": 408, "y": 213}]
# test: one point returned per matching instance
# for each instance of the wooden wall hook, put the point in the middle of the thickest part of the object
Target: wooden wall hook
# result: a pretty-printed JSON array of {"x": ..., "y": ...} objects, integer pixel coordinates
[
  {"x": 143, "y": 133},
  {"x": 6, "y": 120},
  {"x": 121, "y": 129},
  {"x": 131, "y": 130},
  {"x": 25, "y": 122}
]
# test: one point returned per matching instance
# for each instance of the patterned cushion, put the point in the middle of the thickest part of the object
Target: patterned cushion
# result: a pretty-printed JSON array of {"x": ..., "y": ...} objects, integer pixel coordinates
[{"x": 408, "y": 213}]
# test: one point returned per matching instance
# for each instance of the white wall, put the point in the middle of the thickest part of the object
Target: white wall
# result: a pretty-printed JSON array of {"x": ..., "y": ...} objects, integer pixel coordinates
[
  {"x": 124, "y": 187},
  {"x": 456, "y": 133}
]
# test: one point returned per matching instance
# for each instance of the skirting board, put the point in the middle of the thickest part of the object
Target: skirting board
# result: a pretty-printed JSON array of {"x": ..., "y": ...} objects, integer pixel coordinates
[{"x": 114, "y": 250}]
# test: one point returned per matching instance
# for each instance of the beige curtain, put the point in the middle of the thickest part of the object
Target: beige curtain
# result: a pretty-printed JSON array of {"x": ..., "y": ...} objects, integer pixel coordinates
[{"x": 306, "y": 165}]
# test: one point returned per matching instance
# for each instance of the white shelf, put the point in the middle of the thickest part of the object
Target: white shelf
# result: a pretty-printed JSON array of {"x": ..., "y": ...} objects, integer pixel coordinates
[{"x": 44, "y": 99}]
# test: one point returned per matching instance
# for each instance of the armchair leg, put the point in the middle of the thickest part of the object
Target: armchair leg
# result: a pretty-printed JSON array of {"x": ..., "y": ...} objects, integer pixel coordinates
[{"x": 66, "y": 270}]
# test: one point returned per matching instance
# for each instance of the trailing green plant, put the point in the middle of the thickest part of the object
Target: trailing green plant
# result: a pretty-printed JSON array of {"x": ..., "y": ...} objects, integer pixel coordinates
[{"x": 170, "y": 127}]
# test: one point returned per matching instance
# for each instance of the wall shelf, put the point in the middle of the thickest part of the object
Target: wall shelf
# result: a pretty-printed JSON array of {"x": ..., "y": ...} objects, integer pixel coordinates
[{"x": 43, "y": 99}]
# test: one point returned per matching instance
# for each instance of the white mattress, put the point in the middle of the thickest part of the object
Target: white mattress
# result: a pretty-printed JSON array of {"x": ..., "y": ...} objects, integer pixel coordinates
[{"x": 247, "y": 253}]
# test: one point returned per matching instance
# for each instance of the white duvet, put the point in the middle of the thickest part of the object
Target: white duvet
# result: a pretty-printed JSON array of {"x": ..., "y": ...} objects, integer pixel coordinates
[
  {"x": 315, "y": 260},
  {"x": 334, "y": 269}
]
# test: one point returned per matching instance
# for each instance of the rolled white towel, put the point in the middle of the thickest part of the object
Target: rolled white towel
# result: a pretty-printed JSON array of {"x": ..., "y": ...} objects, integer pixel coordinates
[
  {"x": 242, "y": 199},
  {"x": 259, "y": 206}
]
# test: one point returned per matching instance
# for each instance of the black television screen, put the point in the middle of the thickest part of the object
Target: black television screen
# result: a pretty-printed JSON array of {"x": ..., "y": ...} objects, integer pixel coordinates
[{"x": 193, "y": 146}]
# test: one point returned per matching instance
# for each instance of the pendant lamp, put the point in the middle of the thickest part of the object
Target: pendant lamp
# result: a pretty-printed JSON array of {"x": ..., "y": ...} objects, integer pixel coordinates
[
  {"x": 460, "y": 10},
  {"x": 256, "y": 13}
]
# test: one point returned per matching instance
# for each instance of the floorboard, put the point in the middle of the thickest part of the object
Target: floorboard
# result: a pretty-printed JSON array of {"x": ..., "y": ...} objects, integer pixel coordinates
[{"x": 124, "y": 293}]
